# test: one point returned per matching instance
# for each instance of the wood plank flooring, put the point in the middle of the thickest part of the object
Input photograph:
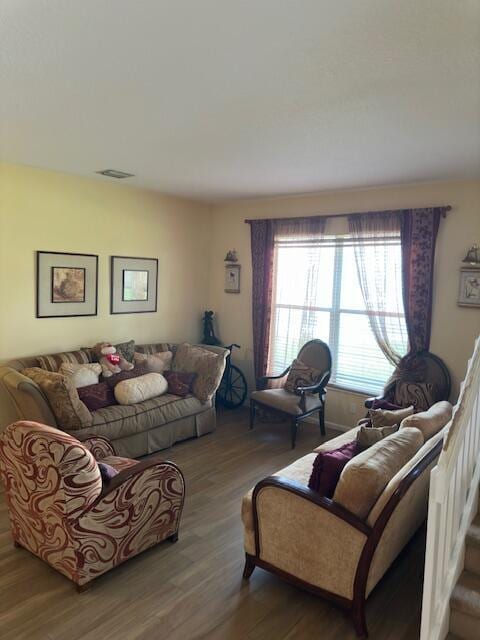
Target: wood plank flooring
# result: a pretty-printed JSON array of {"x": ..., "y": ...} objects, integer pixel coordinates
[{"x": 193, "y": 589}]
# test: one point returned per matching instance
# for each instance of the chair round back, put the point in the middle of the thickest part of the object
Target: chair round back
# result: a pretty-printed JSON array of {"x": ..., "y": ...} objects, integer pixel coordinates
[{"x": 316, "y": 354}]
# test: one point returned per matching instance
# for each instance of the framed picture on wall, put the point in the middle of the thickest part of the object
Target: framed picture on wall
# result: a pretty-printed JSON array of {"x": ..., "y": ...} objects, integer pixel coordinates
[
  {"x": 67, "y": 284},
  {"x": 232, "y": 278},
  {"x": 469, "y": 292},
  {"x": 133, "y": 285}
]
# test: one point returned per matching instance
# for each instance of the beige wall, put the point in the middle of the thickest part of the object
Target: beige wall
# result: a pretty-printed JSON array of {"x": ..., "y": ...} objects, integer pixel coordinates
[
  {"x": 57, "y": 212},
  {"x": 453, "y": 329}
]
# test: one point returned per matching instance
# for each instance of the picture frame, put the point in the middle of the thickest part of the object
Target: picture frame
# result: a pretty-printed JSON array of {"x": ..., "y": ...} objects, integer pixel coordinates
[
  {"x": 232, "y": 278},
  {"x": 469, "y": 287},
  {"x": 133, "y": 284},
  {"x": 66, "y": 284}
]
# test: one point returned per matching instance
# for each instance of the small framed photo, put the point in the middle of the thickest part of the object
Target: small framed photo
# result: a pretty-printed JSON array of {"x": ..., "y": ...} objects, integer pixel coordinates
[
  {"x": 67, "y": 284},
  {"x": 134, "y": 283},
  {"x": 469, "y": 292},
  {"x": 232, "y": 278}
]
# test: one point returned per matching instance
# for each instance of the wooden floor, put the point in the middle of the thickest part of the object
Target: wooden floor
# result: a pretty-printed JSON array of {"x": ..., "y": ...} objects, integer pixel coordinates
[{"x": 193, "y": 589}]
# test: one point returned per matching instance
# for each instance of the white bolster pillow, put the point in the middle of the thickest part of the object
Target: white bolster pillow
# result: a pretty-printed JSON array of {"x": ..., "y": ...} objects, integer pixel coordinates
[{"x": 142, "y": 388}]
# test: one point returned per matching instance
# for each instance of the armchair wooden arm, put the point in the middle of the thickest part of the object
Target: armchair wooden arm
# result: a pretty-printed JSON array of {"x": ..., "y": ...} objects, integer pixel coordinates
[{"x": 262, "y": 380}]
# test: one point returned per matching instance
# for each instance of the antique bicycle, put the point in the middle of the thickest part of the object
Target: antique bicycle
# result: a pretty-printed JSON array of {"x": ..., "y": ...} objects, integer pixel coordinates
[{"x": 233, "y": 387}]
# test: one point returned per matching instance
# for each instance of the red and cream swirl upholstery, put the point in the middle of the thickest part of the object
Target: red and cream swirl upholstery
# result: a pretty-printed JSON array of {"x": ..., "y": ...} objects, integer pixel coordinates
[{"x": 60, "y": 511}]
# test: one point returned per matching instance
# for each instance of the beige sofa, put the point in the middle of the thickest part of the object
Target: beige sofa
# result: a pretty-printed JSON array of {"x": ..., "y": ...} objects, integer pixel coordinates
[
  {"x": 135, "y": 430},
  {"x": 340, "y": 548}
]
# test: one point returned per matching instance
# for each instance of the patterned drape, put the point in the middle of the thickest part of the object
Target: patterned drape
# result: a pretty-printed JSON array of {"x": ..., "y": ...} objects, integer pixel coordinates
[
  {"x": 418, "y": 237},
  {"x": 262, "y": 238}
]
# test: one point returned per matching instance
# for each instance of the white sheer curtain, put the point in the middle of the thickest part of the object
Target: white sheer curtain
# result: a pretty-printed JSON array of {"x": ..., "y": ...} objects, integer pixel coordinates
[{"x": 379, "y": 269}]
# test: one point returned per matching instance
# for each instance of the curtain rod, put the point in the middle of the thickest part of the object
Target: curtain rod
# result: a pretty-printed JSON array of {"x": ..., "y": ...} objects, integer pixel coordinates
[{"x": 444, "y": 209}]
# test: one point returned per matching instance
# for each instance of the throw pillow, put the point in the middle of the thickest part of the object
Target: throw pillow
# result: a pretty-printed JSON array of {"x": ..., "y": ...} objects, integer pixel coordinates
[
  {"x": 136, "y": 390},
  {"x": 301, "y": 375},
  {"x": 68, "y": 409},
  {"x": 328, "y": 466},
  {"x": 421, "y": 394},
  {"x": 430, "y": 422},
  {"x": 97, "y": 396},
  {"x": 107, "y": 472},
  {"x": 126, "y": 350},
  {"x": 208, "y": 365},
  {"x": 156, "y": 362},
  {"x": 366, "y": 436},
  {"x": 179, "y": 383},
  {"x": 82, "y": 375},
  {"x": 386, "y": 418},
  {"x": 139, "y": 370},
  {"x": 53, "y": 362}
]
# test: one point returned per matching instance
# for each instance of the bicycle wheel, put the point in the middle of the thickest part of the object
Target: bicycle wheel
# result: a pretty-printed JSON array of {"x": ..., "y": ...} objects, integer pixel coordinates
[{"x": 233, "y": 388}]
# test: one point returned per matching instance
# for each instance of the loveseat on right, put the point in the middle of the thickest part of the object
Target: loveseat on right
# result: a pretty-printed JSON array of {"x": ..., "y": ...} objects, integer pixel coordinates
[{"x": 340, "y": 547}]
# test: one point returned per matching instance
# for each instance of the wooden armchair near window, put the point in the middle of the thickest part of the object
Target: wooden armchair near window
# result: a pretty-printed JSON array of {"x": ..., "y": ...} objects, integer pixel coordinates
[
  {"x": 305, "y": 400},
  {"x": 420, "y": 379}
]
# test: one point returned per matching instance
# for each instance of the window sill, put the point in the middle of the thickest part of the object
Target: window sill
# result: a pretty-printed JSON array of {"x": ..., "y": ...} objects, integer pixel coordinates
[{"x": 357, "y": 392}]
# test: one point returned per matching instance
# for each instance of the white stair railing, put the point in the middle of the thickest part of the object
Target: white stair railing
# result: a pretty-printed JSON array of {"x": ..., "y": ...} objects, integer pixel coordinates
[{"x": 452, "y": 504}]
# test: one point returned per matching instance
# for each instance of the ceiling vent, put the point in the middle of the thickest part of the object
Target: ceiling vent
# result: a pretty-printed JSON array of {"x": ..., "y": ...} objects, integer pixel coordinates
[{"x": 114, "y": 173}]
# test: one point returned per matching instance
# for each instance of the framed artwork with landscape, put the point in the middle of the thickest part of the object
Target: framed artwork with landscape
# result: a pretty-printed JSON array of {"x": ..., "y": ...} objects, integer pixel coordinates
[
  {"x": 67, "y": 284},
  {"x": 134, "y": 283}
]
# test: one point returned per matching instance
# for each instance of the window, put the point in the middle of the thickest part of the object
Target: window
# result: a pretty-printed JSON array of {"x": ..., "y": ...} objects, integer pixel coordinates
[{"x": 316, "y": 294}]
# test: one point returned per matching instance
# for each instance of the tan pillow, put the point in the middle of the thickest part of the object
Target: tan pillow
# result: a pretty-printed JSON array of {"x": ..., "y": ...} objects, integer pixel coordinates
[
  {"x": 139, "y": 389},
  {"x": 68, "y": 409},
  {"x": 156, "y": 362},
  {"x": 430, "y": 422},
  {"x": 365, "y": 477},
  {"x": 301, "y": 375},
  {"x": 81, "y": 375},
  {"x": 208, "y": 366},
  {"x": 367, "y": 436},
  {"x": 386, "y": 418}
]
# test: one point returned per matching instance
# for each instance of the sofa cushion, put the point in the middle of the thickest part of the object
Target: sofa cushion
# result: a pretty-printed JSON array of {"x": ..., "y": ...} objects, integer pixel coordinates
[
  {"x": 301, "y": 375},
  {"x": 155, "y": 362},
  {"x": 208, "y": 366},
  {"x": 387, "y": 418},
  {"x": 329, "y": 465},
  {"x": 119, "y": 421},
  {"x": 54, "y": 361},
  {"x": 140, "y": 389},
  {"x": 367, "y": 474},
  {"x": 82, "y": 375},
  {"x": 430, "y": 422},
  {"x": 368, "y": 436},
  {"x": 421, "y": 394},
  {"x": 69, "y": 411},
  {"x": 179, "y": 383},
  {"x": 126, "y": 350},
  {"x": 97, "y": 396},
  {"x": 283, "y": 400},
  {"x": 155, "y": 347}
]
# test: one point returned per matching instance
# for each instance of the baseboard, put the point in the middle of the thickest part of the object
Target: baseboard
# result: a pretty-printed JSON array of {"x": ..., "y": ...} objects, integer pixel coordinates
[{"x": 330, "y": 425}]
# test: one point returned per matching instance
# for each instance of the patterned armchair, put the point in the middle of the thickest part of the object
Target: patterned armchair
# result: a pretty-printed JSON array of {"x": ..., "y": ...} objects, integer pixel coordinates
[{"x": 61, "y": 511}]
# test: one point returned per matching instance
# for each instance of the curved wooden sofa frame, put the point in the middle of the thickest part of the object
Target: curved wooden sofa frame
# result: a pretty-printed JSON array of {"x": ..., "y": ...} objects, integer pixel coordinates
[{"x": 356, "y": 606}]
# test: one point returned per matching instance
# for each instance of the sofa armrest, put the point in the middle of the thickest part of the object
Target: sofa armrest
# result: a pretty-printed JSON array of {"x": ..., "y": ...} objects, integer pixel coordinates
[
  {"x": 26, "y": 397},
  {"x": 305, "y": 536},
  {"x": 99, "y": 446}
]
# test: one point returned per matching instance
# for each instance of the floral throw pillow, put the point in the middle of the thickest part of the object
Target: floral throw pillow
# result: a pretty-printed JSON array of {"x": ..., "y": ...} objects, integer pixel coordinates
[
  {"x": 179, "y": 383},
  {"x": 301, "y": 375}
]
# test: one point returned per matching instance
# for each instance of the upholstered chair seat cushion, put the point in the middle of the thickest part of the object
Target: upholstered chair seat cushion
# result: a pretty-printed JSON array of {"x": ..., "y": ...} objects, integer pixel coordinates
[
  {"x": 430, "y": 422},
  {"x": 140, "y": 389},
  {"x": 367, "y": 474},
  {"x": 283, "y": 400},
  {"x": 69, "y": 411}
]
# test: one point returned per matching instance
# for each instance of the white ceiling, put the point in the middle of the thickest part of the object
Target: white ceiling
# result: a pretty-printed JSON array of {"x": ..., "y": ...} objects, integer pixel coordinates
[{"x": 218, "y": 99}]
